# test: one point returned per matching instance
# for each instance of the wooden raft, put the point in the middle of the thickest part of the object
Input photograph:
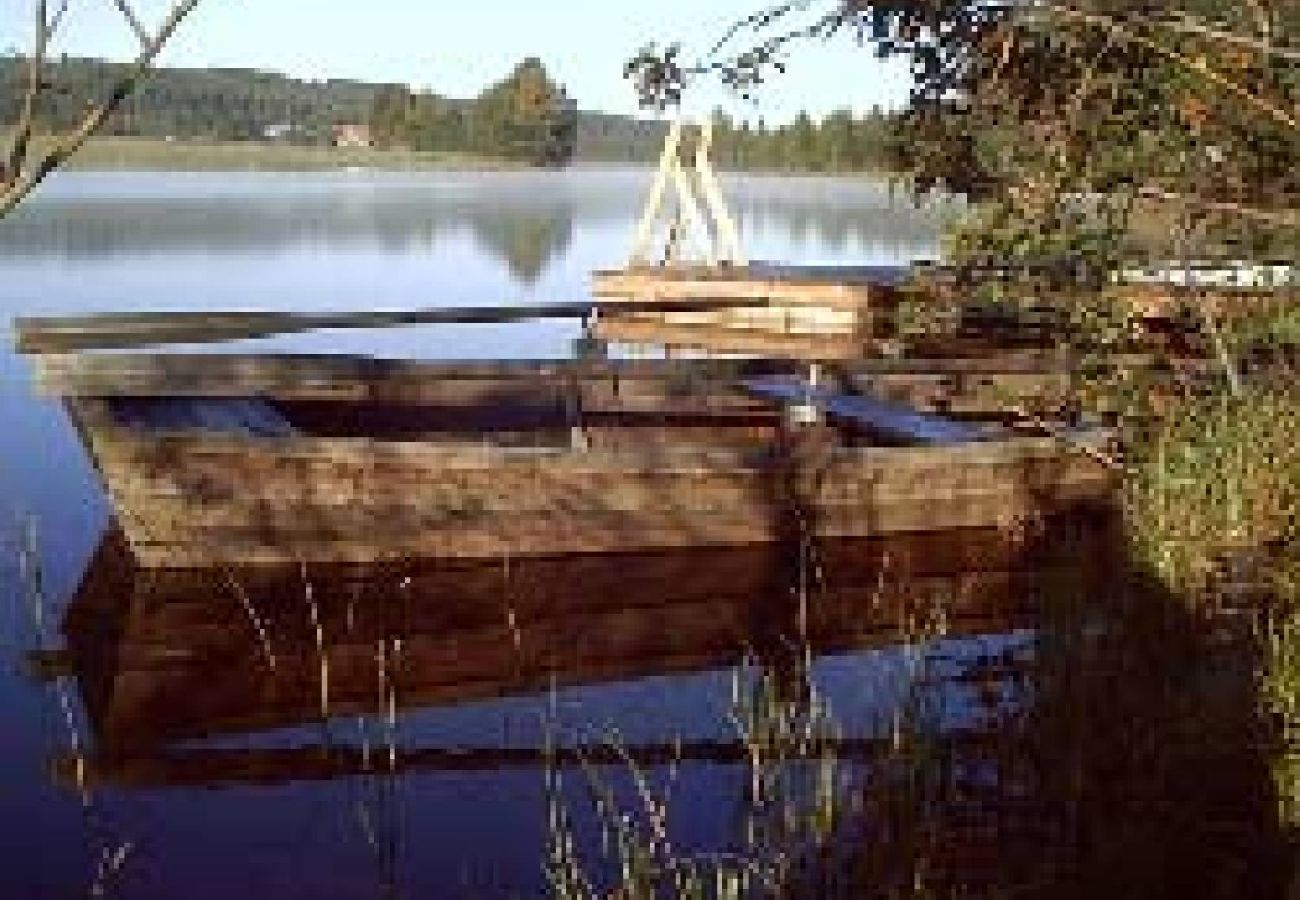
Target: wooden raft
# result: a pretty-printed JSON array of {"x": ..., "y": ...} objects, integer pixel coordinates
[{"x": 666, "y": 464}]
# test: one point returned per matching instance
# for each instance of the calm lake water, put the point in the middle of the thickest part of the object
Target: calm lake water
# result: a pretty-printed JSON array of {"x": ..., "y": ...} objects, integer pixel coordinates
[{"x": 161, "y": 768}]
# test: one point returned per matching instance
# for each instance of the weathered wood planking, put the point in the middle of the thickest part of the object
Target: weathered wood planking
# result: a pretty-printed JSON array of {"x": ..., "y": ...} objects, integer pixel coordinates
[
  {"x": 206, "y": 498},
  {"x": 111, "y": 331},
  {"x": 364, "y": 378},
  {"x": 801, "y": 300},
  {"x": 592, "y": 386},
  {"x": 841, "y": 300},
  {"x": 643, "y": 331},
  {"x": 977, "y": 385},
  {"x": 834, "y": 286}
]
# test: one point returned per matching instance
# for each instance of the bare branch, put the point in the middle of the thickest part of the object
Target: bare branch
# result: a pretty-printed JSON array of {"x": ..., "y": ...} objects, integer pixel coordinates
[
  {"x": 17, "y": 185},
  {"x": 756, "y": 21},
  {"x": 57, "y": 19},
  {"x": 134, "y": 21},
  {"x": 18, "y": 148}
]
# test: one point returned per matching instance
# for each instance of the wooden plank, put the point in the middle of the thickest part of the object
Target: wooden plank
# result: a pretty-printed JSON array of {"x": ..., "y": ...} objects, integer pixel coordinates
[
  {"x": 714, "y": 338},
  {"x": 37, "y": 335},
  {"x": 775, "y": 278},
  {"x": 369, "y": 379},
  {"x": 197, "y": 498},
  {"x": 617, "y": 514},
  {"x": 890, "y": 420}
]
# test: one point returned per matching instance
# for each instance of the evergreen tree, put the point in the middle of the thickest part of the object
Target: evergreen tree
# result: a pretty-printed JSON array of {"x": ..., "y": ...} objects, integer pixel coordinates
[{"x": 527, "y": 117}]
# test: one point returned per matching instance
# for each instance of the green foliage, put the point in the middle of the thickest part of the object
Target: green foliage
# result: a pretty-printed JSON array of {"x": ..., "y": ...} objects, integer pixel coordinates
[
  {"x": 247, "y": 105},
  {"x": 527, "y": 117},
  {"x": 214, "y": 104},
  {"x": 791, "y": 809},
  {"x": 1281, "y": 688},
  {"x": 1215, "y": 493},
  {"x": 1063, "y": 118},
  {"x": 841, "y": 142}
]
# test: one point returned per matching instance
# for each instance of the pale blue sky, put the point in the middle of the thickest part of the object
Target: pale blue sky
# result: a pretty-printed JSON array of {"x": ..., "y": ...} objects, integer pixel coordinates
[{"x": 456, "y": 48}]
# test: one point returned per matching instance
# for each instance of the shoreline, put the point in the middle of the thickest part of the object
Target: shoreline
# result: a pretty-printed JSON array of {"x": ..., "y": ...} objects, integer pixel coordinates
[{"x": 131, "y": 154}]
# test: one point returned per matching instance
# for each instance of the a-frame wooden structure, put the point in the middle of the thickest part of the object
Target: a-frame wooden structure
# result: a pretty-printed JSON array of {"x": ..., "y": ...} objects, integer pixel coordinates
[{"x": 695, "y": 214}]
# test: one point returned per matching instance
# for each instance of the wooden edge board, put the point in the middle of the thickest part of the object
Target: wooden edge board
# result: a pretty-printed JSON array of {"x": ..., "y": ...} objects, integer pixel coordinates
[{"x": 44, "y": 334}]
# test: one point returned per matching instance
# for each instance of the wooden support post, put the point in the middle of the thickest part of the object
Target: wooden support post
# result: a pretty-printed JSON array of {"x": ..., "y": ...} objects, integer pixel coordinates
[
  {"x": 700, "y": 208},
  {"x": 728, "y": 235},
  {"x": 654, "y": 203}
]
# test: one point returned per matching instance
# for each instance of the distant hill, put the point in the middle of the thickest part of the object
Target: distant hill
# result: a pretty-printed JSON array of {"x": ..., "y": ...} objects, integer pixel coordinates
[
  {"x": 245, "y": 104},
  {"x": 248, "y": 105}
]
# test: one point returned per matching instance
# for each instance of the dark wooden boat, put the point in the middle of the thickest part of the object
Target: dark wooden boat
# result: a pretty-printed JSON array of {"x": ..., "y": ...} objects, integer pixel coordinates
[{"x": 236, "y": 459}]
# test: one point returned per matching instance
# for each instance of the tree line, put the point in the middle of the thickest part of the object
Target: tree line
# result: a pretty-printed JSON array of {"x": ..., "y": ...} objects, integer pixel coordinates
[
  {"x": 840, "y": 142},
  {"x": 526, "y": 116}
]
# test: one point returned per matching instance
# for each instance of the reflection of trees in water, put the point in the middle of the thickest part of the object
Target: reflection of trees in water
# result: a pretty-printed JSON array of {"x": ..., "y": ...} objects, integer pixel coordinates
[
  {"x": 525, "y": 240},
  {"x": 225, "y": 226},
  {"x": 895, "y": 225},
  {"x": 263, "y": 217}
]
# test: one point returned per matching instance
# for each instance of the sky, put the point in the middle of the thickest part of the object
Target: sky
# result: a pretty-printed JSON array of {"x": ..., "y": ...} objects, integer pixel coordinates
[{"x": 458, "y": 48}]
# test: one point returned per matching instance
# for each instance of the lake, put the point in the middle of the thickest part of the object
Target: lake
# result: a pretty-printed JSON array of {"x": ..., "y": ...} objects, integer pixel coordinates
[{"x": 183, "y": 734}]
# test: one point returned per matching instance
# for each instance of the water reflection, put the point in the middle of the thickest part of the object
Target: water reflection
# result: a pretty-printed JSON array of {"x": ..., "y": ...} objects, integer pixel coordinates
[
  {"x": 524, "y": 243},
  {"x": 1113, "y": 754},
  {"x": 524, "y": 219},
  {"x": 166, "y": 656}
]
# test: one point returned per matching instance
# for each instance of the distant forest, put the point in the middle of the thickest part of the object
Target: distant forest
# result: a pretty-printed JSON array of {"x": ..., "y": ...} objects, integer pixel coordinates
[{"x": 526, "y": 116}]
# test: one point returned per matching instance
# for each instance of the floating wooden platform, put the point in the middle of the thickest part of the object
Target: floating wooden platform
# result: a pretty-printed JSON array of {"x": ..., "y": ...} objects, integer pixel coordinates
[{"x": 273, "y": 469}]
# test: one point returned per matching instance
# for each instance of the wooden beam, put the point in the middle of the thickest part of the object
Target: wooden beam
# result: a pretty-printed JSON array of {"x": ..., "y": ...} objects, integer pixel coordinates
[{"x": 37, "y": 335}]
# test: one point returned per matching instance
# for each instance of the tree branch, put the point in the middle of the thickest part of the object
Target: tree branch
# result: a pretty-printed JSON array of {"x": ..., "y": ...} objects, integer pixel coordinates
[
  {"x": 57, "y": 19},
  {"x": 17, "y": 156},
  {"x": 136, "y": 25},
  {"x": 1181, "y": 22},
  {"x": 1289, "y": 119},
  {"x": 1289, "y": 217},
  {"x": 21, "y": 183}
]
